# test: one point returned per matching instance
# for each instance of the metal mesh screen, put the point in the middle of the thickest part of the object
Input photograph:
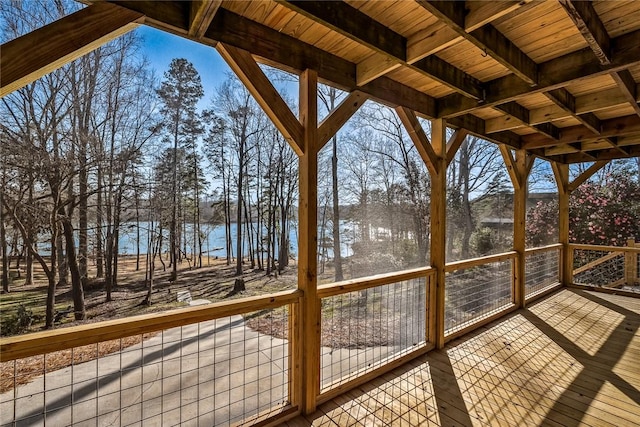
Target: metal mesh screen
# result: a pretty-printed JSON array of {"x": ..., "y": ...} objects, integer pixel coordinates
[
  {"x": 217, "y": 372},
  {"x": 476, "y": 292},
  {"x": 598, "y": 268},
  {"x": 542, "y": 270},
  {"x": 363, "y": 330}
]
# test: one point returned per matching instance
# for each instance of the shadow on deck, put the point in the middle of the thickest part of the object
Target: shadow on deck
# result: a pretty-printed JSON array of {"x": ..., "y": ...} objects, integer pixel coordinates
[{"x": 570, "y": 359}]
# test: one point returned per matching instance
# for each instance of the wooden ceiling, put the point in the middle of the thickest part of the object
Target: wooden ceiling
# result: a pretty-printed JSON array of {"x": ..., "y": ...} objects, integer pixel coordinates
[{"x": 556, "y": 77}]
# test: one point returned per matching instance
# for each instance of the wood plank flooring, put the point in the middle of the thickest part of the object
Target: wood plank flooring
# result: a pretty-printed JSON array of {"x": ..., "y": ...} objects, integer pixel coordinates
[{"x": 571, "y": 359}]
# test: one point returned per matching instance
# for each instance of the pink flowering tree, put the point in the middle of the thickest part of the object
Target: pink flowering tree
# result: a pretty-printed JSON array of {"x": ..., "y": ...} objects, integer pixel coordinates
[{"x": 600, "y": 213}]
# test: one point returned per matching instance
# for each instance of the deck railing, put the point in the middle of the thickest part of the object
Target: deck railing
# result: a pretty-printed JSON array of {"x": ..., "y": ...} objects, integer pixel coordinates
[
  {"x": 370, "y": 324},
  {"x": 476, "y": 290},
  {"x": 606, "y": 266},
  {"x": 238, "y": 361},
  {"x": 219, "y": 364},
  {"x": 542, "y": 269}
]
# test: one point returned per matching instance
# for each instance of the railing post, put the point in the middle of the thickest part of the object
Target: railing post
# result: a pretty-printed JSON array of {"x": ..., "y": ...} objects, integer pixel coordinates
[
  {"x": 631, "y": 264},
  {"x": 438, "y": 224},
  {"x": 309, "y": 332},
  {"x": 518, "y": 169},
  {"x": 519, "y": 225},
  {"x": 561, "y": 172}
]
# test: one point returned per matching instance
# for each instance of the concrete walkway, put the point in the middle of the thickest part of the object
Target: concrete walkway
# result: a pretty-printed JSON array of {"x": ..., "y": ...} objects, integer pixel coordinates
[
  {"x": 209, "y": 374},
  {"x": 215, "y": 373}
]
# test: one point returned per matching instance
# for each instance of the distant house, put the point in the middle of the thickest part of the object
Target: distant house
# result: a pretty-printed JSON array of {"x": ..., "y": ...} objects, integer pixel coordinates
[{"x": 495, "y": 211}]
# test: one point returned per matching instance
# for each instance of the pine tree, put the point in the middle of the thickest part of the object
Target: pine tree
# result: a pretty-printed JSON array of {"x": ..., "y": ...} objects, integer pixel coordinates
[{"x": 179, "y": 92}]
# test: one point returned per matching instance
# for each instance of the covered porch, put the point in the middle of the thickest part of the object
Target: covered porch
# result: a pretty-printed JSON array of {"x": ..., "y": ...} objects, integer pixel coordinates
[
  {"x": 522, "y": 344},
  {"x": 566, "y": 360}
]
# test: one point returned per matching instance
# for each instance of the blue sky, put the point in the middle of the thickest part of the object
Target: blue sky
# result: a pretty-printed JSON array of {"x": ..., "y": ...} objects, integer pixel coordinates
[{"x": 160, "y": 48}]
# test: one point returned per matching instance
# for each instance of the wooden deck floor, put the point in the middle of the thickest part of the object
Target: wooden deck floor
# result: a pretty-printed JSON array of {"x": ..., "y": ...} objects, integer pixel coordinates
[{"x": 571, "y": 359}]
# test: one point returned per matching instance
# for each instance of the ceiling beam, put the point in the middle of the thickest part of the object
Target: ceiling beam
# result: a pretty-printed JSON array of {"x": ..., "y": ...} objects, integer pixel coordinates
[
  {"x": 567, "y": 101},
  {"x": 287, "y": 52},
  {"x": 584, "y": 105},
  {"x": 628, "y": 87},
  {"x": 440, "y": 36},
  {"x": 480, "y": 13},
  {"x": 391, "y": 47},
  {"x": 521, "y": 114},
  {"x": 350, "y": 22},
  {"x": 486, "y": 38},
  {"x": 609, "y": 154},
  {"x": 476, "y": 126},
  {"x": 586, "y": 19},
  {"x": 31, "y": 56},
  {"x": 173, "y": 17},
  {"x": 202, "y": 13},
  {"x": 622, "y": 126},
  {"x": 553, "y": 74}
]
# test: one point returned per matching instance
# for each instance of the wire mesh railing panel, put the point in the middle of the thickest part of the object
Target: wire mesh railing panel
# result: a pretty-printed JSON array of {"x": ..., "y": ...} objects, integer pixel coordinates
[
  {"x": 542, "y": 270},
  {"x": 602, "y": 268},
  {"x": 363, "y": 330},
  {"x": 218, "y": 372},
  {"x": 474, "y": 293}
]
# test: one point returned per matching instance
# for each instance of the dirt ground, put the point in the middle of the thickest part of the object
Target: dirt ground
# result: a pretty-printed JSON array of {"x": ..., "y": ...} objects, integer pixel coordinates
[{"x": 213, "y": 282}]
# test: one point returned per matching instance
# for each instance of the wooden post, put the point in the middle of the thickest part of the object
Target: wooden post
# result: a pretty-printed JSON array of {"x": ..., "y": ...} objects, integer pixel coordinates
[
  {"x": 631, "y": 264},
  {"x": 561, "y": 172},
  {"x": 519, "y": 225},
  {"x": 309, "y": 337},
  {"x": 438, "y": 222}
]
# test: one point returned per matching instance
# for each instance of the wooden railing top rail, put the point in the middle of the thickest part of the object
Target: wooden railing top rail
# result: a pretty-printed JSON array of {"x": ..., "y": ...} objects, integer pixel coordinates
[
  {"x": 474, "y": 262},
  {"x": 363, "y": 283},
  {"x": 543, "y": 248},
  {"x": 61, "y": 339},
  {"x": 604, "y": 248}
]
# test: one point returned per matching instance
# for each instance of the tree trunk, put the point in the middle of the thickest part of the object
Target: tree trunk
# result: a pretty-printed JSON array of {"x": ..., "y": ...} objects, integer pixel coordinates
[
  {"x": 63, "y": 270},
  {"x": 3, "y": 243},
  {"x": 239, "y": 205},
  {"x": 337, "y": 255},
  {"x": 76, "y": 280},
  {"x": 99, "y": 231}
]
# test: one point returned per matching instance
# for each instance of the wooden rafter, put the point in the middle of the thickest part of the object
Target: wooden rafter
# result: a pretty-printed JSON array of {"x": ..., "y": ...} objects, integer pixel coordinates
[
  {"x": 628, "y": 87},
  {"x": 481, "y": 13},
  {"x": 584, "y": 106},
  {"x": 591, "y": 27},
  {"x": 486, "y": 38},
  {"x": 606, "y": 154},
  {"x": 553, "y": 74},
  {"x": 521, "y": 115},
  {"x": 593, "y": 30},
  {"x": 628, "y": 125},
  {"x": 292, "y": 54},
  {"x": 393, "y": 47},
  {"x": 390, "y": 47},
  {"x": 245, "y": 67},
  {"x": 35, "y": 54},
  {"x": 350, "y": 22},
  {"x": 202, "y": 13},
  {"x": 440, "y": 36}
]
